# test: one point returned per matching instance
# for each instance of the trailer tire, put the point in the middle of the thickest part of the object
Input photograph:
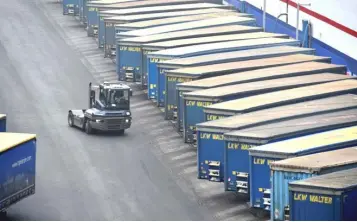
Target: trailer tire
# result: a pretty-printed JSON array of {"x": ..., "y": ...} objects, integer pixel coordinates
[
  {"x": 88, "y": 127},
  {"x": 3, "y": 215},
  {"x": 70, "y": 119}
]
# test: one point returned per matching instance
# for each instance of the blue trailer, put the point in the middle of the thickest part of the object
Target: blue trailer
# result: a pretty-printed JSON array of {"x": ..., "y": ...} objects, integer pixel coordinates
[
  {"x": 140, "y": 23},
  {"x": 91, "y": 9},
  {"x": 208, "y": 149},
  {"x": 192, "y": 111},
  {"x": 107, "y": 31},
  {"x": 146, "y": 44},
  {"x": 158, "y": 76},
  {"x": 330, "y": 197},
  {"x": 94, "y": 8},
  {"x": 171, "y": 96},
  {"x": 70, "y": 7},
  {"x": 2, "y": 123},
  {"x": 112, "y": 23},
  {"x": 166, "y": 21},
  {"x": 303, "y": 167},
  {"x": 195, "y": 50},
  {"x": 283, "y": 97},
  {"x": 212, "y": 160},
  {"x": 298, "y": 69},
  {"x": 125, "y": 61},
  {"x": 273, "y": 143},
  {"x": 18, "y": 168},
  {"x": 160, "y": 22}
]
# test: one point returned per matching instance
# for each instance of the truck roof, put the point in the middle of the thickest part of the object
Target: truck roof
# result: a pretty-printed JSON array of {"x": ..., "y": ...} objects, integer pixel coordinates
[
  {"x": 10, "y": 140},
  {"x": 262, "y": 74},
  {"x": 200, "y": 71},
  {"x": 174, "y": 14},
  {"x": 106, "y": 2},
  {"x": 223, "y": 46},
  {"x": 2, "y": 116},
  {"x": 304, "y": 144},
  {"x": 189, "y": 33},
  {"x": 282, "y": 112},
  {"x": 290, "y": 128},
  {"x": 171, "y": 20},
  {"x": 131, "y": 4},
  {"x": 318, "y": 161},
  {"x": 233, "y": 19},
  {"x": 159, "y": 8},
  {"x": 219, "y": 38},
  {"x": 286, "y": 96},
  {"x": 227, "y": 56},
  {"x": 340, "y": 180},
  {"x": 264, "y": 86}
]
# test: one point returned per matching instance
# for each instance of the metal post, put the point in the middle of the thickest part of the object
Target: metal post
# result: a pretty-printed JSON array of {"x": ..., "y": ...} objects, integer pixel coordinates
[
  {"x": 297, "y": 17},
  {"x": 264, "y": 13},
  {"x": 297, "y": 20}
]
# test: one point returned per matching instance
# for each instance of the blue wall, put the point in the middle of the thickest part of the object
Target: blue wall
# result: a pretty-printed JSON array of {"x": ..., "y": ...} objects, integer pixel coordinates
[{"x": 272, "y": 25}]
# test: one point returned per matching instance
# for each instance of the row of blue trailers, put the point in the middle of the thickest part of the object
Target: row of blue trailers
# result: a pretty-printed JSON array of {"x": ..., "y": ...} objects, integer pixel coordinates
[
  {"x": 270, "y": 120},
  {"x": 18, "y": 166}
]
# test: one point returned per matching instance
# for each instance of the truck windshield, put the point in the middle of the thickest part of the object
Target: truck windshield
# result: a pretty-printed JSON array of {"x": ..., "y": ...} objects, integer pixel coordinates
[{"x": 118, "y": 99}]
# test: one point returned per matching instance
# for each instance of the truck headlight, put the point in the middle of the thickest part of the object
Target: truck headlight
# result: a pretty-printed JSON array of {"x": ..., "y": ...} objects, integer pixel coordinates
[
  {"x": 99, "y": 120},
  {"x": 127, "y": 120},
  {"x": 128, "y": 113}
]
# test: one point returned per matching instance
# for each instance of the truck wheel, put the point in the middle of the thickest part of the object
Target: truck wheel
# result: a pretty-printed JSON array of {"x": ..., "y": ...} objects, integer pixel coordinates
[
  {"x": 70, "y": 119},
  {"x": 88, "y": 127},
  {"x": 121, "y": 132}
]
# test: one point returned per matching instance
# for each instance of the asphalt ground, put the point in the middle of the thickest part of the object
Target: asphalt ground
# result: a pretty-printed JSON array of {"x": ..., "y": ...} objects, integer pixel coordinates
[{"x": 47, "y": 61}]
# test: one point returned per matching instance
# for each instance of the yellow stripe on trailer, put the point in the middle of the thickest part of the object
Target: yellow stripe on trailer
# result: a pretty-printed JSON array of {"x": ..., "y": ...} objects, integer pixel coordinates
[{"x": 10, "y": 140}]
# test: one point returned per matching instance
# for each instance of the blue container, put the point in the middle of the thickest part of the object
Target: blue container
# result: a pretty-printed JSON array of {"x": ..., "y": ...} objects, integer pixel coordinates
[
  {"x": 210, "y": 59},
  {"x": 237, "y": 144},
  {"x": 203, "y": 49},
  {"x": 283, "y": 97},
  {"x": 262, "y": 156},
  {"x": 2, "y": 123},
  {"x": 239, "y": 122},
  {"x": 176, "y": 39},
  {"x": 142, "y": 45},
  {"x": 160, "y": 73},
  {"x": 113, "y": 18},
  {"x": 144, "y": 20},
  {"x": 330, "y": 197},
  {"x": 93, "y": 8},
  {"x": 281, "y": 70},
  {"x": 299, "y": 168},
  {"x": 18, "y": 160},
  {"x": 70, "y": 7},
  {"x": 226, "y": 93},
  {"x": 161, "y": 22}
]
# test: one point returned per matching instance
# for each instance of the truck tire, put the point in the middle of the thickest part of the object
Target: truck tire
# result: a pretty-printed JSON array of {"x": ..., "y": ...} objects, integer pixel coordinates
[
  {"x": 70, "y": 119},
  {"x": 121, "y": 132},
  {"x": 88, "y": 127}
]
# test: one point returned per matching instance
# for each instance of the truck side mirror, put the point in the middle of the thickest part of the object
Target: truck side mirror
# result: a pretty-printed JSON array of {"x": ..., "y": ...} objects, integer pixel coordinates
[{"x": 130, "y": 92}]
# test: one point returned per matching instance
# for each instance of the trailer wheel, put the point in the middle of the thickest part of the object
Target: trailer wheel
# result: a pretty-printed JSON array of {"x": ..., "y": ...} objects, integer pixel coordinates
[
  {"x": 70, "y": 119},
  {"x": 88, "y": 127},
  {"x": 3, "y": 215}
]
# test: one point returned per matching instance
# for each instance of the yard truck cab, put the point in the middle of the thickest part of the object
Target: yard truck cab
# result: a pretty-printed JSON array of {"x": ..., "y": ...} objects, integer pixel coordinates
[{"x": 109, "y": 109}]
